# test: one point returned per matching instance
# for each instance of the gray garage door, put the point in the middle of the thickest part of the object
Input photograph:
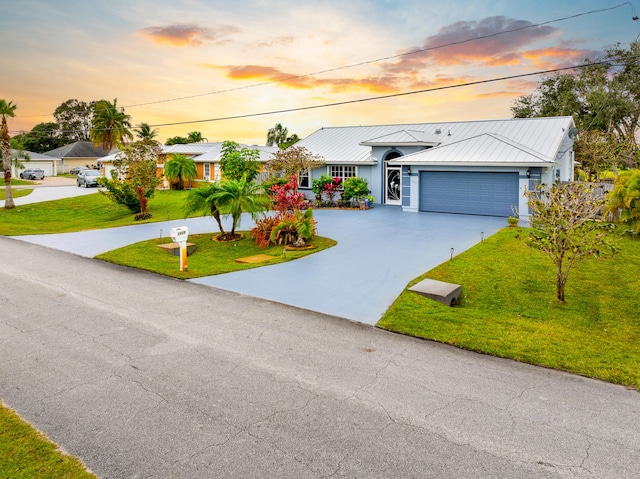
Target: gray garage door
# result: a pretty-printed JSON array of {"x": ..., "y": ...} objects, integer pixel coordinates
[{"x": 490, "y": 194}]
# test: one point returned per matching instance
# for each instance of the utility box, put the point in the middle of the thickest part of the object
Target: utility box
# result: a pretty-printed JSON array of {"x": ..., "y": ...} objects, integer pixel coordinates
[{"x": 445, "y": 293}]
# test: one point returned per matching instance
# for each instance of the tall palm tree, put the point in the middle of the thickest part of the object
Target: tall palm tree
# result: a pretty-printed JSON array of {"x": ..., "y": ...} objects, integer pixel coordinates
[
  {"x": 110, "y": 125},
  {"x": 203, "y": 200},
  {"x": 277, "y": 135},
  {"x": 180, "y": 168},
  {"x": 237, "y": 196},
  {"x": 195, "y": 137},
  {"x": 144, "y": 132},
  {"x": 7, "y": 109}
]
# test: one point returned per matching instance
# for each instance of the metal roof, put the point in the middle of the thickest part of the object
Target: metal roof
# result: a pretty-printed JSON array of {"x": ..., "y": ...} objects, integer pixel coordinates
[
  {"x": 212, "y": 155},
  {"x": 404, "y": 138},
  {"x": 344, "y": 144},
  {"x": 484, "y": 149}
]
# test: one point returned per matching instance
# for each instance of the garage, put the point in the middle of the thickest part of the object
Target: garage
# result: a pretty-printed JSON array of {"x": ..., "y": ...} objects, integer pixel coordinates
[{"x": 473, "y": 193}]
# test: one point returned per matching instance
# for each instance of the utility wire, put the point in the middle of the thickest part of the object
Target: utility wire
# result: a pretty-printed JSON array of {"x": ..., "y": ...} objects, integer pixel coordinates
[
  {"x": 391, "y": 57},
  {"x": 393, "y": 95}
]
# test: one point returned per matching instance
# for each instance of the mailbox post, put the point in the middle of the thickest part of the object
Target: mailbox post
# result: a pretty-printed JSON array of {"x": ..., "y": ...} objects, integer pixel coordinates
[{"x": 180, "y": 235}]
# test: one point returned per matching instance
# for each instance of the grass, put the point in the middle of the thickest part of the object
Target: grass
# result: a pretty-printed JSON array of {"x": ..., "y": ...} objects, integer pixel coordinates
[
  {"x": 84, "y": 213},
  {"x": 25, "y": 453},
  {"x": 16, "y": 193},
  {"x": 210, "y": 258},
  {"x": 508, "y": 309},
  {"x": 19, "y": 182}
]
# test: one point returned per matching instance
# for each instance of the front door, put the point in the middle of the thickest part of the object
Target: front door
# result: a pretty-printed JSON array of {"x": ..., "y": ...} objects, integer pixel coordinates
[{"x": 392, "y": 190}]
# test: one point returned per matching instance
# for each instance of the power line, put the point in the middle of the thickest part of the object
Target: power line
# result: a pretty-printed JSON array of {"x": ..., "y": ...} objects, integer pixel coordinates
[
  {"x": 392, "y": 95},
  {"x": 368, "y": 62}
]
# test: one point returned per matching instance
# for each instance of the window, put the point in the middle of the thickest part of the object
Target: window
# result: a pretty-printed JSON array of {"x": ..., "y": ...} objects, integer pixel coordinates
[
  {"x": 342, "y": 172},
  {"x": 303, "y": 180},
  {"x": 207, "y": 171}
]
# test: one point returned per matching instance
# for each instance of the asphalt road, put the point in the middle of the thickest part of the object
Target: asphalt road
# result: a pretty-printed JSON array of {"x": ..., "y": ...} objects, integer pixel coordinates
[{"x": 143, "y": 376}]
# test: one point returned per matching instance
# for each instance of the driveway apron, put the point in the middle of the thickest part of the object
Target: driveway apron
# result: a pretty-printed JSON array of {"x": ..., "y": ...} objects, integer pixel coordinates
[{"x": 378, "y": 252}]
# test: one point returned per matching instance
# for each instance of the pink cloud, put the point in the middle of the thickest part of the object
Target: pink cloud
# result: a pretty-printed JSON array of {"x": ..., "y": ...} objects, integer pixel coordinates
[{"x": 181, "y": 35}]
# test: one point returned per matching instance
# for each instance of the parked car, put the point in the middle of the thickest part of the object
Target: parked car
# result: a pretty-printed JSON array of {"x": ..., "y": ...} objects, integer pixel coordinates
[
  {"x": 32, "y": 174},
  {"x": 77, "y": 169},
  {"x": 88, "y": 178}
]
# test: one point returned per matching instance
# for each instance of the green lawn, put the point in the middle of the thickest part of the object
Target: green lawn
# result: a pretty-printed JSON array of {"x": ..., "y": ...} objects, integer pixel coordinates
[
  {"x": 85, "y": 213},
  {"x": 211, "y": 257},
  {"x": 16, "y": 193},
  {"x": 25, "y": 453},
  {"x": 508, "y": 309}
]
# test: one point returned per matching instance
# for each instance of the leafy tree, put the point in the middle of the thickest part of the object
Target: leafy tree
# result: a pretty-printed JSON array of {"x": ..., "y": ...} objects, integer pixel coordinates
[
  {"x": 177, "y": 140},
  {"x": 565, "y": 226},
  {"x": 624, "y": 200},
  {"x": 237, "y": 196},
  {"x": 136, "y": 167},
  {"x": 236, "y": 162},
  {"x": 276, "y": 135},
  {"x": 110, "y": 125},
  {"x": 203, "y": 199},
  {"x": 179, "y": 169},
  {"x": 195, "y": 137},
  {"x": 293, "y": 162},
  {"x": 6, "y": 109},
  {"x": 144, "y": 132},
  {"x": 74, "y": 120},
  {"x": 42, "y": 138}
]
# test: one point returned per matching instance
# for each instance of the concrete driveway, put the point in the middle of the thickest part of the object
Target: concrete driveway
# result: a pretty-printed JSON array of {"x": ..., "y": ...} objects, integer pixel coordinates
[{"x": 379, "y": 251}]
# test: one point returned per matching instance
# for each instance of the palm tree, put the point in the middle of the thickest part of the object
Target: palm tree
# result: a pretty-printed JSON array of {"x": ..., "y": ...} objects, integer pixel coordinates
[
  {"x": 203, "y": 199},
  {"x": 179, "y": 169},
  {"x": 277, "y": 135},
  {"x": 7, "y": 109},
  {"x": 144, "y": 132},
  {"x": 237, "y": 196},
  {"x": 195, "y": 137},
  {"x": 110, "y": 125}
]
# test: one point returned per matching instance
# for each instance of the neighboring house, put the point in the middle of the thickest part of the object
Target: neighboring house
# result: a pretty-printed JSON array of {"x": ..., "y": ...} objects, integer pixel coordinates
[
  {"x": 472, "y": 167},
  {"x": 46, "y": 163},
  {"x": 80, "y": 153},
  {"x": 207, "y": 157}
]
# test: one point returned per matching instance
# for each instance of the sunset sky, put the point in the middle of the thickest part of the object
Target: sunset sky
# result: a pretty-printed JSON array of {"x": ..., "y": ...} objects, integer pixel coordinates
[{"x": 216, "y": 59}]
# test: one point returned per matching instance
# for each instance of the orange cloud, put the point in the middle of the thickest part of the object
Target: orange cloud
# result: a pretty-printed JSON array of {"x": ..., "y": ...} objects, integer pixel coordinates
[
  {"x": 258, "y": 73},
  {"x": 181, "y": 35}
]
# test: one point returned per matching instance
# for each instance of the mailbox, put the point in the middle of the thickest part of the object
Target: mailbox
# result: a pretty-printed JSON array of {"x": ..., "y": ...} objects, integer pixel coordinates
[{"x": 180, "y": 235}]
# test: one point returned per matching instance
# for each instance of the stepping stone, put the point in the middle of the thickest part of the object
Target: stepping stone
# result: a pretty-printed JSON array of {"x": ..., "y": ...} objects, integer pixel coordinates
[
  {"x": 174, "y": 248},
  {"x": 445, "y": 293},
  {"x": 258, "y": 258}
]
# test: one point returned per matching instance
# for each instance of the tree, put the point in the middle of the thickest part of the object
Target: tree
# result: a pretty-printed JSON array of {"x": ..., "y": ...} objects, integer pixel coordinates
[
  {"x": 624, "y": 200},
  {"x": 276, "y": 135},
  {"x": 203, "y": 199},
  {"x": 134, "y": 177},
  {"x": 42, "y": 138},
  {"x": 6, "y": 109},
  {"x": 236, "y": 162},
  {"x": 144, "y": 132},
  {"x": 566, "y": 226},
  {"x": 195, "y": 137},
  {"x": 294, "y": 161},
  {"x": 177, "y": 140},
  {"x": 179, "y": 169},
  {"x": 110, "y": 125},
  {"x": 237, "y": 196},
  {"x": 74, "y": 120}
]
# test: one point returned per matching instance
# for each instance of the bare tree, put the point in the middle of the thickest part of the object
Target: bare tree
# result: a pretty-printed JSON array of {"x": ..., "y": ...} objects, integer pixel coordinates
[{"x": 566, "y": 225}]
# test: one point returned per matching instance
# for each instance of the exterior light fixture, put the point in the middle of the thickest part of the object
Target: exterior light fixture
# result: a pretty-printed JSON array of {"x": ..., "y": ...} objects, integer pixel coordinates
[
  {"x": 528, "y": 173},
  {"x": 409, "y": 171}
]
